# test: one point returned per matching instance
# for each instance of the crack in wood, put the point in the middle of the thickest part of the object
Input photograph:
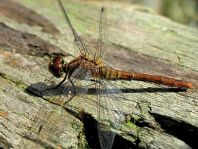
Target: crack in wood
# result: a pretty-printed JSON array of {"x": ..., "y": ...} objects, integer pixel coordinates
[{"x": 178, "y": 128}]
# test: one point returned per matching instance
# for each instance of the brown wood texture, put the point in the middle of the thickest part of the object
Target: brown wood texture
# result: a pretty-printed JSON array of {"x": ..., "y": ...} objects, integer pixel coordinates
[{"x": 33, "y": 31}]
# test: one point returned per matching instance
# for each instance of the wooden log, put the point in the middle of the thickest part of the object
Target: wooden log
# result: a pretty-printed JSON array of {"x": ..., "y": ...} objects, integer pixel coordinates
[{"x": 33, "y": 31}]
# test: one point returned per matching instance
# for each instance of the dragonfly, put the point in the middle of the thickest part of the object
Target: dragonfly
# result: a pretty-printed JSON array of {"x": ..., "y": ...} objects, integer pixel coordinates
[{"x": 89, "y": 64}]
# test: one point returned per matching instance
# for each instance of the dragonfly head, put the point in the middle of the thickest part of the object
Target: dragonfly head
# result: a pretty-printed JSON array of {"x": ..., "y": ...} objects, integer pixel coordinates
[{"x": 56, "y": 66}]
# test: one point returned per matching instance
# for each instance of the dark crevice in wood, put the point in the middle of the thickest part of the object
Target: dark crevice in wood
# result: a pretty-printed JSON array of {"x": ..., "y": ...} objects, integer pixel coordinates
[
  {"x": 90, "y": 130},
  {"x": 125, "y": 144},
  {"x": 180, "y": 129},
  {"x": 91, "y": 133}
]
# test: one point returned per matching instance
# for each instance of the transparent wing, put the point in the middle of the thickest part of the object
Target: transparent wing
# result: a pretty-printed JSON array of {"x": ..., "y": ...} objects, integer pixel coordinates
[
  {"x": 81, "y": 79},
  {"x": 103, "y": 42},
  {"x": 93, "y": 53},
  {"x": 97, "y": 54},
  {"x": 84, "y": 50},
  {"x": 109, "y": 112},
  {"x": 109, "y": 99},
  {"x": 108, "y": 96}
]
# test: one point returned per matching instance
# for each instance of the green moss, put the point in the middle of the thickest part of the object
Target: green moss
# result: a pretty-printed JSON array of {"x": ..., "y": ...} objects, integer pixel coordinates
[{"x": 20, "y": 85}]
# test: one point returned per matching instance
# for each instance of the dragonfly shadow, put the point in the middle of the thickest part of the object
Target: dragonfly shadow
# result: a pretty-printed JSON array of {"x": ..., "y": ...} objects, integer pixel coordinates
[
  {"x": 39, "y": 89},
  {"x": 152, "y": 90}
]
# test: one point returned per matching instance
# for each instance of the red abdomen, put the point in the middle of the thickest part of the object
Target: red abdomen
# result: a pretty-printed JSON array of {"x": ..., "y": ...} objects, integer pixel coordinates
[{"x": 112, "y": 74}]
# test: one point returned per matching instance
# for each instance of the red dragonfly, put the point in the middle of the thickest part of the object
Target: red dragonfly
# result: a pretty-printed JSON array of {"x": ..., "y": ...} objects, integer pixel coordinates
[{"x": 90, "y": 66}]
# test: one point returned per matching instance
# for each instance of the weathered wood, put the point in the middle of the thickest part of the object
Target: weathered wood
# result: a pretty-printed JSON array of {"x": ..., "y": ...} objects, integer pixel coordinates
[{"x": 140, "y": 41}]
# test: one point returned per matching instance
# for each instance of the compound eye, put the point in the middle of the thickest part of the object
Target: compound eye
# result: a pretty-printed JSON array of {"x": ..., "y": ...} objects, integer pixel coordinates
[
  {"x": 57, "y": 60},
  {"x": 55, "y": 67}
]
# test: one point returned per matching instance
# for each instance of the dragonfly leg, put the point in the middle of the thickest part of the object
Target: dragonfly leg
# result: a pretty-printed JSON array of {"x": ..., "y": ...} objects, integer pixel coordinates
[
  {"x": 71, "y": 96},
  {"x": 71, "y": 93},
  {"x": 74, "y": 88},
  {"x": 57, "y": 86}
]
